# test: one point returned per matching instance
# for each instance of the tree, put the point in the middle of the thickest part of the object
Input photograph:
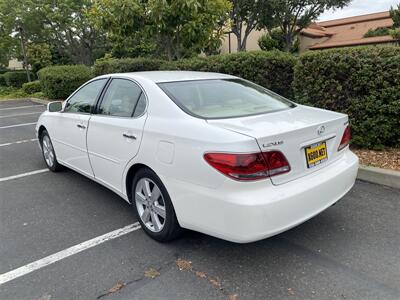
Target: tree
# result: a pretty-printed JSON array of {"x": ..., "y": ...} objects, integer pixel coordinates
[
  {"x": 124, "y": 22},
  {"x": 168, "y": 28},
  {"x": 395, "y": 15},
  {"x": 7, "y": 48},
  {"x": 246, "y": 16},
  {"x": 67, "y": 25},
  {"x": 39, "y": 55},
  {"x": 291, "y": 16},
  {"x": 184, "y": 27},
  {"x": 62, "y": 24},
  {"x": 274, "y": 39}
]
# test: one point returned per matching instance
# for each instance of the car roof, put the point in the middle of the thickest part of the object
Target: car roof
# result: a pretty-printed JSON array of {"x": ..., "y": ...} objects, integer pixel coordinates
[{"x": 168, "y": 76}]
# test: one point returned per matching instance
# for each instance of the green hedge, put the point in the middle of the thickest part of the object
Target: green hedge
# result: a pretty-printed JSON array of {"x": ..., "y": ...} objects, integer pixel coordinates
[
  {"x": 273, "y": 70},
  {"x": 114, "y": 65},
  {"x": 2, "y": 80},
  {"x": 58, "y": 82},
  {"x": 31, "y": 87},
  {"x": 17, "y": 78},
  {"x": 363, "y": 82}
]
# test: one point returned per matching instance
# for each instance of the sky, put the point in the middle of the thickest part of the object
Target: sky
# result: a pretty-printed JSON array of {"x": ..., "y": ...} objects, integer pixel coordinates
[{"x": 359, "y": 7}]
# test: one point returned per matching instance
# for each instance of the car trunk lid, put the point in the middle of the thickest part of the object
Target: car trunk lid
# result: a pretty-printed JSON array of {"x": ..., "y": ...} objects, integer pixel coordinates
[{"x": 292, "y": 131}]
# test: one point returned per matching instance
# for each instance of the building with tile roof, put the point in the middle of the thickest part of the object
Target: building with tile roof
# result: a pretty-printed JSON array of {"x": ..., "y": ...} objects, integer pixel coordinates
[{"x": 346, "y": 32}]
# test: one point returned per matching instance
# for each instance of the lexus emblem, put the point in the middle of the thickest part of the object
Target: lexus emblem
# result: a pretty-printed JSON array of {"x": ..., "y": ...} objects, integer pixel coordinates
[{"x": 321, "y": 130}]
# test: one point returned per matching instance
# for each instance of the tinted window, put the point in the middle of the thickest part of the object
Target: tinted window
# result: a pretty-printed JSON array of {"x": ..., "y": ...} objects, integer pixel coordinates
[
  {"x": 140, "y": 106},
  {"x": 223, "y": 98},
  {"x": 84, "y": 99},
  {"x": 120, "y": 98}
]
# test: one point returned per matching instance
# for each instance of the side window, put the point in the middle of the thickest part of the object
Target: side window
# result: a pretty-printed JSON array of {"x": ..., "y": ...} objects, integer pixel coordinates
[
  {"x": 84, "y": 99},
  {"x": 140, "y": 106},
  {"x": 120, "y": 99}
]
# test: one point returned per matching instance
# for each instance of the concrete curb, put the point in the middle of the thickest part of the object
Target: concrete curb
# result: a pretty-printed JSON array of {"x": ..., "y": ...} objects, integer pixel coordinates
[
  {"x": 40, "y": 101},
  {"x": 389, "y": 178}
]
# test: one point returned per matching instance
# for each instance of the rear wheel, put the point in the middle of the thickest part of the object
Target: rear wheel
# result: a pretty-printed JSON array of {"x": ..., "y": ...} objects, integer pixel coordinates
[
  {"x": 153, "y": 206},
  {"x": 48, "y": 152}
]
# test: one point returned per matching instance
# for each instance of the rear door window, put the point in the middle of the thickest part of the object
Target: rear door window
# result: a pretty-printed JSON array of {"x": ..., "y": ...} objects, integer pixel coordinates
[{"x": 121, "y": 99}]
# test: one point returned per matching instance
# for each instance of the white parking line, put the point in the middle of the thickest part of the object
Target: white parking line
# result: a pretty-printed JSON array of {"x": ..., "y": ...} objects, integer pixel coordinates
[
  {"x": 18, "y": 142},
  {"x": 17, "y": 107},
  {"x": 23, "y": 175},
  {"x": 18, "y": 125},
  {"x": 20, "y": 115},
  {"x": 51, "y": 259}
]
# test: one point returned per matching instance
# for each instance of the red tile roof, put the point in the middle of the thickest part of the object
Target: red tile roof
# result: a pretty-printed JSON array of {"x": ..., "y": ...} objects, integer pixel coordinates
[{"x": 349, "y": 31}]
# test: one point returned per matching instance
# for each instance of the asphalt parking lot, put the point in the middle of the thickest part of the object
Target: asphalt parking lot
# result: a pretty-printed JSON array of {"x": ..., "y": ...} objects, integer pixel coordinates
[{"x": 350, "y": 251}]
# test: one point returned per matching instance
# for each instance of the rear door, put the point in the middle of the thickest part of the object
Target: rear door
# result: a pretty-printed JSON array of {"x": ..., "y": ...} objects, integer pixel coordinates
[
  {"x": 115, "y": 131},
  {"x": 68, "y": 131}
]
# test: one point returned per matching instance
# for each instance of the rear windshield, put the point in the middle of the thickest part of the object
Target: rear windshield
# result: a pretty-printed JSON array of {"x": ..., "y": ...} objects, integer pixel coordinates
[{"x": 223, "y": 98}]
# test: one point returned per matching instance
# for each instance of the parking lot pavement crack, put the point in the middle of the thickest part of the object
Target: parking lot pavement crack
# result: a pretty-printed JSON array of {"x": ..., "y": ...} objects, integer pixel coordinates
[
  {"x": 216, "y": 282},
  {"x": 333, "y": 264},
  {"x": 148, "y": 275}
]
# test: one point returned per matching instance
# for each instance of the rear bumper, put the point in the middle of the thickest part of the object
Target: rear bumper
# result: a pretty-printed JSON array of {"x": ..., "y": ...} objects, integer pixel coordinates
[{"x": 247, "y": 212}]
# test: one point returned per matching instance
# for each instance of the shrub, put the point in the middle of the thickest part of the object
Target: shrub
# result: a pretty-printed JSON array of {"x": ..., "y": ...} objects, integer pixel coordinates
[
  {"x": 16, "y": 78},
  {"x": 2, "y": 80},
  {"x": 31, "y": 87},
  {"x": 395, "y": 33},
  {"x": 273, "y": 70},
  {"x": 115, "y": 65},
  {"x": 266, "y": 43},
  {"x": 58, "y": 82},
  {"x": 381, "y": 31},
  {"x": 363, "y": 82}
]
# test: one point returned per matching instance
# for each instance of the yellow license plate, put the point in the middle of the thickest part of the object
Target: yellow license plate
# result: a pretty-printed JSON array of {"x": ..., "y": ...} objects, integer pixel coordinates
[{"x": 316, "y": 154}]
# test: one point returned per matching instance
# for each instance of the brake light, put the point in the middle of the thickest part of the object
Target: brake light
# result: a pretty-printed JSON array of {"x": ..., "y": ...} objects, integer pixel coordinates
[
  {"x": 249, "y": 166},
  {"x": 345, "y": 138}
]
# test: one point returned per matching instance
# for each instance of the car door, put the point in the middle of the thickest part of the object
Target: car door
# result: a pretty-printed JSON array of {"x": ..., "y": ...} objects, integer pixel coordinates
[
  {"x": 70, "y": 127},
  {"x": 115, "y": 131}
]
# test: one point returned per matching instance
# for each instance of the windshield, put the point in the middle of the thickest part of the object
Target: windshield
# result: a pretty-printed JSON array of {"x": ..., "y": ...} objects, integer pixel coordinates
[{"x": 223, "y": 98}]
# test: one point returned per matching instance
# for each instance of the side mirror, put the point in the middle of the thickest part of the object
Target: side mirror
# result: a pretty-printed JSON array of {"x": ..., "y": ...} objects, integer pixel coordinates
[{"x": 55, "y": 106}]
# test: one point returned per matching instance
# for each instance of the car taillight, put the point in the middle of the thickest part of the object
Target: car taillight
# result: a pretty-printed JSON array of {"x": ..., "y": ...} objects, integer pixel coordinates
[
  {"x": 249, "y": 166},
  {"x": 345, "y": 138}
]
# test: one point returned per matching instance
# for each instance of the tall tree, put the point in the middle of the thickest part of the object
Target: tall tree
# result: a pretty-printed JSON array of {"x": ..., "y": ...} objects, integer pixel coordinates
[
  {"x": 63, "y": 24},
  {"x": 184, "y": 27},
  {"x": 168, "y": 28},
  {"x": 245, "y": 16},
  {"x": 291, "y": 16},
  {"x": 124, "y": 22}
]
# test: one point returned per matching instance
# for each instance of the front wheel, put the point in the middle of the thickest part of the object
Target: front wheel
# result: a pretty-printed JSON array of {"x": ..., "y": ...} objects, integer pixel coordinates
[
  {"x": 48, "y": 152},
  {"x": 153, "y": 207}
]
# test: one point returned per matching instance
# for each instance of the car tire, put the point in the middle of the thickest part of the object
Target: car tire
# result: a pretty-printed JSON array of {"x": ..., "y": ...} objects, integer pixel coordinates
[
  {"x": 49, "y": 155},
  {"x": 153, "y": 207}
]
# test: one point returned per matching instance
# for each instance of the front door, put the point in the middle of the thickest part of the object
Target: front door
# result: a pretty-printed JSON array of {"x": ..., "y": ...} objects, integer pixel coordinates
[
  {"x": 115, "y": 131},
  {"x": 70, "y": 127}
]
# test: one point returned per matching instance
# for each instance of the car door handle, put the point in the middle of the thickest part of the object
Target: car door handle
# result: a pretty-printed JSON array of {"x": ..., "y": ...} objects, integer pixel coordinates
[
  {"x": 129, "y": 136},
  {"x": 80, "y": 126}
]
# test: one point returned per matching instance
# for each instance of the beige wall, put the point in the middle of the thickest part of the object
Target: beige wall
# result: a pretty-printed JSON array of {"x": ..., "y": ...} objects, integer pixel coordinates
[
  {"x": 14, "y": 64},
  {"x": 252, "y": 42}
]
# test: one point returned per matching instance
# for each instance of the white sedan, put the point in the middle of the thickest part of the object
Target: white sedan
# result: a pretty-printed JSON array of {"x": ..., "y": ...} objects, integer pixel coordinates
[{"x": 204, "y": 151}]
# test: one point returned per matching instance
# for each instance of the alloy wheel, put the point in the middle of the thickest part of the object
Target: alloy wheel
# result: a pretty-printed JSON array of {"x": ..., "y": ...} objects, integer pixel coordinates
[
  {"x": 150, "y": 204},
  {"x": 48, "y": 151}
]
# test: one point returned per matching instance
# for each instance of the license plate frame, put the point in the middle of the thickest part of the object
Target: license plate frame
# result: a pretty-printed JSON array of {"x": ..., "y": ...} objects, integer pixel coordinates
[{"x": 316, "y": 154}]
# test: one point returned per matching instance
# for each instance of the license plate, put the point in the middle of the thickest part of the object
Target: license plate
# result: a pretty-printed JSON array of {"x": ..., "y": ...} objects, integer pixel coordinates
[{"x": 316, "y": 154}]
